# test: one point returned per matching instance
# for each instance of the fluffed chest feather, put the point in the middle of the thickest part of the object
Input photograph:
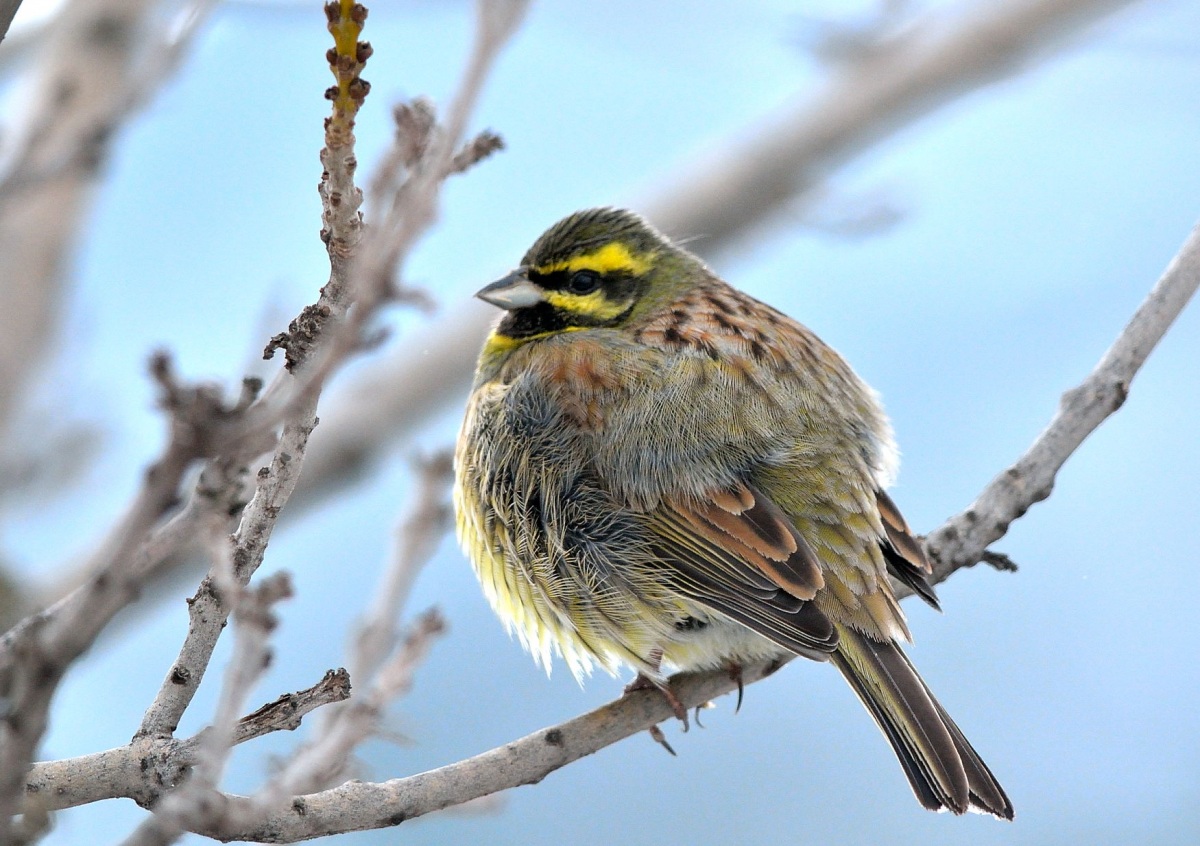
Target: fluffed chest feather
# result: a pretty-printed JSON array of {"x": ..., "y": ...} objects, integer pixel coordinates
[{"x": 543, "y": 534}]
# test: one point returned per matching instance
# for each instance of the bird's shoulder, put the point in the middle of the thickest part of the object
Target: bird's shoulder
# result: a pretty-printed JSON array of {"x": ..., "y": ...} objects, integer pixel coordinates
[{"x": 715, "y": 320}]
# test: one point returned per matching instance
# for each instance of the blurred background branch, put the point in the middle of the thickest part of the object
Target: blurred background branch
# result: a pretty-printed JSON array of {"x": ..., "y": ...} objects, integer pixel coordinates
[
  {"x": 94, "y": 67},
  {"x": 731, "y": 193}
]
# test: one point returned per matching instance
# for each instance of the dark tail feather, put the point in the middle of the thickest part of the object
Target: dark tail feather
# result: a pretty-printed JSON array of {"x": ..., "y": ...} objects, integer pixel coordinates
[
  {"x": 986, "y": 793},
  {"x": 945, "y": 772}
]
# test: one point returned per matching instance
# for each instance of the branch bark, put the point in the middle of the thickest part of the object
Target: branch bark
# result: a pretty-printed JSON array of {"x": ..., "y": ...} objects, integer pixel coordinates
[
  {"x": 159, "y": 763},
  {"x": 961, "y": 541}
]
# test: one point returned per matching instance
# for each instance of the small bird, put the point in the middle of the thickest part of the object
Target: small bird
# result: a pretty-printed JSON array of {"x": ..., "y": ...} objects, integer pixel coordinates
[{"x": 658, "y": 470}]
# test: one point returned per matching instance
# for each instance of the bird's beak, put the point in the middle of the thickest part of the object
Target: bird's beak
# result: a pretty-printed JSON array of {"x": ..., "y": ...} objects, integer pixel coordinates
[{"x": 513, "y": 291}]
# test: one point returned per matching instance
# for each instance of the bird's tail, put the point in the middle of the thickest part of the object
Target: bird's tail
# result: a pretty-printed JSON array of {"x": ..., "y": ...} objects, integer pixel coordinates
[{"x": 943, "y": 769}]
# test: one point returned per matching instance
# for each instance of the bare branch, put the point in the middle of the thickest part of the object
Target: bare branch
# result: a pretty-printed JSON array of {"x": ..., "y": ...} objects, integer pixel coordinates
[
  {"x": 475, "y": 151},
  {"x": 407, "y": 210},
  {"x": 961, "y": 542},
  {"x": 101, "y": 62},
  {"x": 8, "y": 11},
  {"x": 417, "y": 540},
  {"x": 155, "y": 764},
  {"x": 39, "y": 652},
  {"x": 359, "y": 806},
  {"x": 190, "y": 805},
  {"x": 287, "y": 712},
  {"x": 209, "y": 608},
  {"x": 324, "y": 760},
  {"x": 356, "y": 720}
]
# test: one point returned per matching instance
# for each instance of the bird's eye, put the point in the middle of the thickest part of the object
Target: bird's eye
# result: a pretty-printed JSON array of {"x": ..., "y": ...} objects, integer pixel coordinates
[{"x": 583, "y": 282}]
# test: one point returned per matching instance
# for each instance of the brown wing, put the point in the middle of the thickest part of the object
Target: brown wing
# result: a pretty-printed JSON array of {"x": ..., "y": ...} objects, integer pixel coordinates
[
  {"x": 737, "y": 553},
  {"x": 904, "y": 554}
]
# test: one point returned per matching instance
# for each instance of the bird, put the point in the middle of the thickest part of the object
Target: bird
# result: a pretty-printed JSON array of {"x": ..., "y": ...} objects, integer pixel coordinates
[{"x": 659, "y": 471}]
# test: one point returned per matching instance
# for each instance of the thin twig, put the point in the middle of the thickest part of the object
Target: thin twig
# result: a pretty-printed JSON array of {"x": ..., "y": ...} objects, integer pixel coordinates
[
  {"x": 416, "y": 541},
  {"x": 355, "y": 720},
  {"x": 160, "y": 763},
  {"x": 191, "y": 804},
  {"x": 287, "y": 712},
  {"x": 961, "y": 542},
  {"x": 8, "y": 11},
  {"x": 209, "y": 608}
]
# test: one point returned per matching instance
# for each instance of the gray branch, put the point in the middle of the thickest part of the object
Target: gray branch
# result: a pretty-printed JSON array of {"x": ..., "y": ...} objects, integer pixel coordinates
[
  {"x": 962, "y": 540},
  {"x": 156, "y": 763}
]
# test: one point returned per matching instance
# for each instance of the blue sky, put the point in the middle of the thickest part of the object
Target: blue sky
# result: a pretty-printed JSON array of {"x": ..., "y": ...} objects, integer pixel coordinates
[{"x": 1036, "y": 214}]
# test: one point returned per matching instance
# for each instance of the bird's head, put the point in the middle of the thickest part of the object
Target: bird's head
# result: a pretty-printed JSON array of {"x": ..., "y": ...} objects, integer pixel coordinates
[{"x": 597, "y": 268}]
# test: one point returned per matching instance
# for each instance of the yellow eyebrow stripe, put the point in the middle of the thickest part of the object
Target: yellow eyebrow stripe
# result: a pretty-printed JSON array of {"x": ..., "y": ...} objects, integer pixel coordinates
[{"x": 611, "y": 257}]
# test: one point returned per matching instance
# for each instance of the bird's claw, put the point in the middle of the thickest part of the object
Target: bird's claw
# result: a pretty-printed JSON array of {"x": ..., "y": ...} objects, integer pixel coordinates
[
  {"x": 661, "y": 739},
  {"x": 735, "y": 674}
]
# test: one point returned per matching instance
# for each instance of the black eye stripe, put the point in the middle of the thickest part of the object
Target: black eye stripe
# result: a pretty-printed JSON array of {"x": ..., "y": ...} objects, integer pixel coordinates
[
  {"x": 617, "y": 285},
  {"x": 561, "y": 280}
]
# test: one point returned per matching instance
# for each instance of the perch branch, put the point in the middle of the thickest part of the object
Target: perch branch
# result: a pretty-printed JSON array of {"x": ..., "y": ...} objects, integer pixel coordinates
[{"x": 962, "y": 540}]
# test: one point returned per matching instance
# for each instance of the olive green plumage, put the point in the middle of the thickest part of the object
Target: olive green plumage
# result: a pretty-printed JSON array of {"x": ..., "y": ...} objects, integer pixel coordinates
[{"x": 658, "y": 470}]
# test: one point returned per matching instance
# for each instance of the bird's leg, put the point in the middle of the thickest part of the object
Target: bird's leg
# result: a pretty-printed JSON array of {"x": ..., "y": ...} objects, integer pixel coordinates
[{"x": 645, "y": 682}]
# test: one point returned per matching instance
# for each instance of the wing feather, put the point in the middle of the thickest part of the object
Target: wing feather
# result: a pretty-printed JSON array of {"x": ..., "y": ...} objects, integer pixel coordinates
[
  {"x": 904, "y": 554},
  {"x": 738, "y": 554}
]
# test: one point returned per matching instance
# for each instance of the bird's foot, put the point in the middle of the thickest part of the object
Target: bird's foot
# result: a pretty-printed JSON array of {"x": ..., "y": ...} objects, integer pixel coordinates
[{"x": 644, "y": 682}]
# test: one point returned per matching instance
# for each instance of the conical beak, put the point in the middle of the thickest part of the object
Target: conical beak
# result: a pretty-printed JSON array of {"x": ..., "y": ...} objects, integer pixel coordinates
[{"x": 513, "y": 291}]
